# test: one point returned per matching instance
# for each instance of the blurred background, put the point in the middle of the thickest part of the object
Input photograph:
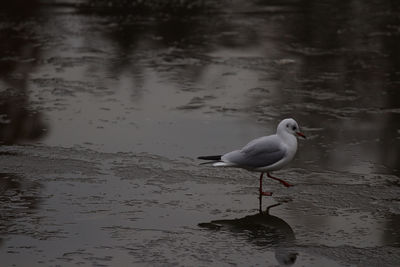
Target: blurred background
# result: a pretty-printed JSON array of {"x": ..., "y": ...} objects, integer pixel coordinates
[{"x": 186, "y": 78}]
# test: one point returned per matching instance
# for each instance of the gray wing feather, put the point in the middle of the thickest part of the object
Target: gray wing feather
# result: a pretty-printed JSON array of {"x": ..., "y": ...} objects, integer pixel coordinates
[{"x": 260, "y": 152}]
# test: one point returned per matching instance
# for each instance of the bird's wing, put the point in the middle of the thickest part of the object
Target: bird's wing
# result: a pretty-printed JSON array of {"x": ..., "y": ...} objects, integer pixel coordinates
[{"x": 260, "y": 152}]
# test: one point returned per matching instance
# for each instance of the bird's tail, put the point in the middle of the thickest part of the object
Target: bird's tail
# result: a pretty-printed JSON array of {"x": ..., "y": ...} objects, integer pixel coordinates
[
  {"x": 211, "y": 159},
  {"x": 216, "y": 161},
  {"x": 218, "y": 157}
]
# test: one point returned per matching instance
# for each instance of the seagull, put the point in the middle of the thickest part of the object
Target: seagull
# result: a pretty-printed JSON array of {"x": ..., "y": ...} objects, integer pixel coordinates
[{"x": 264, "y": 154}]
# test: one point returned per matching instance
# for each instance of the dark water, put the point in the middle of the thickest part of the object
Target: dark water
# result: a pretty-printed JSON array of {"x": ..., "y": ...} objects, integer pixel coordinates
[{"x": 81, "y": 81}]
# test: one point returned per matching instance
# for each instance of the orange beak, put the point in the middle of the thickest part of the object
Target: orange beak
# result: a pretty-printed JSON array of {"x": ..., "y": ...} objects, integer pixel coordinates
[{"x": 301, "y": 135}]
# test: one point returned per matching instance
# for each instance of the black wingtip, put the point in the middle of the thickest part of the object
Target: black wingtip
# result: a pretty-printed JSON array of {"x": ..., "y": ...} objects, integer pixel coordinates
[{"x": 218, "y": 157}]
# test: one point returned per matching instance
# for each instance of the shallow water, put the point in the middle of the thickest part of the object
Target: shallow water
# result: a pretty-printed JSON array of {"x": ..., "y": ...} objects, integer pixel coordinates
[{"x": 103, "y": 111}]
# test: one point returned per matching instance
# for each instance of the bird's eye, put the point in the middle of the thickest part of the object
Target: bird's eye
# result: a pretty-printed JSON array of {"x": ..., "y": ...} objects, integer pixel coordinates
[
  {"x": 294, "y": 128},
  {"x": 287, "y": 125}
]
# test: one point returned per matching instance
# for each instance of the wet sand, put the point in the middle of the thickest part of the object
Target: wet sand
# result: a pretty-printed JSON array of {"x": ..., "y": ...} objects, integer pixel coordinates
[{"x": 69, "y": 207}]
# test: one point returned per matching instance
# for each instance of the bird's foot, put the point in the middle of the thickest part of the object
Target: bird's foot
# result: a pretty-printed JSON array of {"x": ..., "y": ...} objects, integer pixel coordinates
[
  {"x": 286, "y": 184},
  {"x": 279, "y": 180},
  {"x": 268, "y": 194}
]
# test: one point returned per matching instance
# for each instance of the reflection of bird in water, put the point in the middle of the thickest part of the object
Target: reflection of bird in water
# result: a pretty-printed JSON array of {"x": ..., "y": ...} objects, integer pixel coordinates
[
  {"x": 264, "y": 154},
  {"x": 263, "y": 230}
]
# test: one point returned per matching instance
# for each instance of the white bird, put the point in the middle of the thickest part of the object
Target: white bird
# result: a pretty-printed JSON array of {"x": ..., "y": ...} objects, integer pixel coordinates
[{"x": 264, "y": 154}]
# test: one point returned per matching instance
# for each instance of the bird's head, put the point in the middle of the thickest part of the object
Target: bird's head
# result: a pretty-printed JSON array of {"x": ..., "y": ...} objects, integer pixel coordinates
[{"x": 290, "y": 126}]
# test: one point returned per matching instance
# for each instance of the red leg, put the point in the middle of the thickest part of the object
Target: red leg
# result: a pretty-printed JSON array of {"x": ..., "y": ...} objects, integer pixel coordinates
[
  {"x": 261, "y": 192},
  {"x": 280, "y": 180}
]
